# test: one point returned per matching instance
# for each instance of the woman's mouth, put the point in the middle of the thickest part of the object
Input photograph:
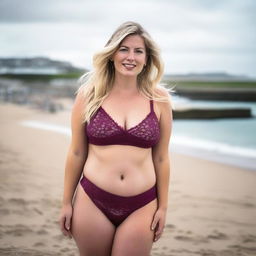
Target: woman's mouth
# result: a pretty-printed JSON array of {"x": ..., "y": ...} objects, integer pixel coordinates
[{"x": 129, "y": 66}]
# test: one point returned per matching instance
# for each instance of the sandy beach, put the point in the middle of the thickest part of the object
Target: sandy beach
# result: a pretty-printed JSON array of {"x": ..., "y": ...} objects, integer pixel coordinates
[{"x": 212, "y": 206}]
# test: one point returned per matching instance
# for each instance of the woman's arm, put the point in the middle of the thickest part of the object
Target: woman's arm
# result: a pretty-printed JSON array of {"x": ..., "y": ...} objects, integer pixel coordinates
[
  {"x": 77, "y": 152},
  {"x": 75, "y": 160},
  {"x": 161, "y": 160}
]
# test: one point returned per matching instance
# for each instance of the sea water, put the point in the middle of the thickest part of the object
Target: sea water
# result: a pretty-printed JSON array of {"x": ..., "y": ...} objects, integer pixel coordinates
[{"x": 228, "y": 140}]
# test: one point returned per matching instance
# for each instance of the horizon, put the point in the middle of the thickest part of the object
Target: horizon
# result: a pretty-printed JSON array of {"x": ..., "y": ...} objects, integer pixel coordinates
[{"x": 220, "y": 72}]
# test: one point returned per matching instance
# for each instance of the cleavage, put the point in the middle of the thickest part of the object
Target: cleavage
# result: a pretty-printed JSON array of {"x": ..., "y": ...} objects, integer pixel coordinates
[{"x": 123, "y": 127}]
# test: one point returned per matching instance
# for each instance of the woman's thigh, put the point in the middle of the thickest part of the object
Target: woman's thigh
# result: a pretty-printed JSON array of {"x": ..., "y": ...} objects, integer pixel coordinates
[
  {"x": 134, "y": 236},
  {"x": 90, "y": 228}
]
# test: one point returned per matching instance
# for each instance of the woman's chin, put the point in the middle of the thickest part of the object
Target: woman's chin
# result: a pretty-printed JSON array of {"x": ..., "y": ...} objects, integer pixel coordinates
[{"x": 128, "y": 73}]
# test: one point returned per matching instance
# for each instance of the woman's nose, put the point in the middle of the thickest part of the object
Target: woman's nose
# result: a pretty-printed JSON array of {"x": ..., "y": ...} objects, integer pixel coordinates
[{"x": 130, "y": 55}]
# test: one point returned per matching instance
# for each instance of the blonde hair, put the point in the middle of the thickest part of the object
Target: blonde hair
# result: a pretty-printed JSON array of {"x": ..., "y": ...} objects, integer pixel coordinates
[{"x": 96, "y": 84}]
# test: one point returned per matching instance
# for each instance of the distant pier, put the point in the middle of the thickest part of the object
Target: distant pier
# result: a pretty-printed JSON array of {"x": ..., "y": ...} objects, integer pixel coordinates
[
  {"x": 208, "y": 113},
  {"x": 226, "y": 94}
]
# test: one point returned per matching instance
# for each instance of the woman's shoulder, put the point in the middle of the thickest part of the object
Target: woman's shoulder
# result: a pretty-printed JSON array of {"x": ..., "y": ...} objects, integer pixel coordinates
[
  {"x": 162, "y": 91},
  {"x": 79, "y": 104},
  {"x": 80, "y": 99},
  {"x": 163, "y": 99}
]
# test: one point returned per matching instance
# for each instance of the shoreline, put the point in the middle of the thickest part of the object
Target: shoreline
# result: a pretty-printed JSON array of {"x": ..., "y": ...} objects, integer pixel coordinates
[
  {"x": 246, "y": 163},
  {"x": 204, "y": 151}
]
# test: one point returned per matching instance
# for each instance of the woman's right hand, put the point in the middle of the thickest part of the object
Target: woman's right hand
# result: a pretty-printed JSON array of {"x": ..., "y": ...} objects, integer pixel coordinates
[{"x": 65, "y": 220}]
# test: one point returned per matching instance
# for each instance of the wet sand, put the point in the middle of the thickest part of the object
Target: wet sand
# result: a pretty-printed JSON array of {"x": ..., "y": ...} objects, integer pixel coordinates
[{"x": 212, "y": 206}]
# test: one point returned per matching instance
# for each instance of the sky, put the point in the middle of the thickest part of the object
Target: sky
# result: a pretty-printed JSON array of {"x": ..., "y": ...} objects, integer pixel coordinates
[{"x": 195, "y": 36}]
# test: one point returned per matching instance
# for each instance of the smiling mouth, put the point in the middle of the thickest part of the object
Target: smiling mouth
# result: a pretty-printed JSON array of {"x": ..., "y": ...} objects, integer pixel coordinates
[{"x": 127, "y": 65}]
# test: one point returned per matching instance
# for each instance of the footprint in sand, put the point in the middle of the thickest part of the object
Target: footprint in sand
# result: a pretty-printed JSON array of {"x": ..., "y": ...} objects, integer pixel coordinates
[
  {"x": 42, "y": 232},
  {"x": 244, "y": 249},
  {"x": 36, "y": 210},
  {"x": 17, "y": 201},
  {"x": 38, "y": 244},
  {"x": 18, "y": 230},
  {"x": 59, "y": 237},
  {"x": 169, "y": 226},
  {"x": 184, "y": 238},
  {"x": 66, "y": 249},
  {"x": 249, "y": 239},
  {"x": 4, "y": 212},
  {"x": 193, "y": 239},
  {"x": 19, "y": 206},
  {"x": 217, "y": 235}
]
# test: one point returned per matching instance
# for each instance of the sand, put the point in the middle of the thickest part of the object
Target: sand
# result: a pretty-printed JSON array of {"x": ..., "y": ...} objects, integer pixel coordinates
[{"x": 212, "y": 206}]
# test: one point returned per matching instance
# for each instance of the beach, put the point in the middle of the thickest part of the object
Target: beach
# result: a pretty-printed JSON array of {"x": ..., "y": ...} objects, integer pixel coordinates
[{"x": 212, "y": 206}]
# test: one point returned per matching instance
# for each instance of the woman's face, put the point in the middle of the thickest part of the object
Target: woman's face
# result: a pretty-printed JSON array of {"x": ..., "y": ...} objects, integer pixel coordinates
[{"x": 130, "y": 57}]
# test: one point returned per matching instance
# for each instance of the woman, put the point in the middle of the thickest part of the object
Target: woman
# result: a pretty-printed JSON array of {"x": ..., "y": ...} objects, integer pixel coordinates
[{"x": 121, "y": 125}]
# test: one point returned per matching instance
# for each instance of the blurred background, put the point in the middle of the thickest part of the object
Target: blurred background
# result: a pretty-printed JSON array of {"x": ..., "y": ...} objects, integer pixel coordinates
[{"x": 209, "y": 51}]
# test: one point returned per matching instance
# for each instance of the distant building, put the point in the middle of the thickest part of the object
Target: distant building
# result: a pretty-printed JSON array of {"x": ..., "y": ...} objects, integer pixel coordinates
[{"x": 36, "y": 65}]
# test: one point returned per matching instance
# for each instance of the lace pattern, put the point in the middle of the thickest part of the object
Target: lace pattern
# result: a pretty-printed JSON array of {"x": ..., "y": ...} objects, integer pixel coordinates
[{"x": 103, "y": 130}]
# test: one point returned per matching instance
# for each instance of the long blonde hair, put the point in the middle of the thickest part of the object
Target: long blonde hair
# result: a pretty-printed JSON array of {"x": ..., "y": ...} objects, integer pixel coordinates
[{"x": 96, "y": 84}]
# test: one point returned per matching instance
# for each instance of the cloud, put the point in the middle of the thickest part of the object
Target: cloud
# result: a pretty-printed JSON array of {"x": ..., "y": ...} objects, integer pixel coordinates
[{"x": 195, "y": 32}]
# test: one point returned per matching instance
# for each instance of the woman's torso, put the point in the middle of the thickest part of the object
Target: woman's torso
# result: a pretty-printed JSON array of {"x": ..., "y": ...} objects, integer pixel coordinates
[{"x": 122, "y": 169}]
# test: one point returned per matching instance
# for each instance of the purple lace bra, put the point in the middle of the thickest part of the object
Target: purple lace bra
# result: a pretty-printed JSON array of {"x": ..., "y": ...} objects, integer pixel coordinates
[{"x": 103, "y": 130}]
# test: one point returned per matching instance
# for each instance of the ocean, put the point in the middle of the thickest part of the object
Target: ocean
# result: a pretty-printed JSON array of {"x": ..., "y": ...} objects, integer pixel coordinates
[{"x": 229, "y": 140}]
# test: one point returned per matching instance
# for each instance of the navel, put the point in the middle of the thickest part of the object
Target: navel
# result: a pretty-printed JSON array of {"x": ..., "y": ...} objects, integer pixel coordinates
[{"x": 121, "y": 177}]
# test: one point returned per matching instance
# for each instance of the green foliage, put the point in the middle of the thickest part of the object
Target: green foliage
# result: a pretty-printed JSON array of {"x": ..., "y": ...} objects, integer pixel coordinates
[
  {"x": 42, "y": 77},
  {"x": 211, "y": 84}
]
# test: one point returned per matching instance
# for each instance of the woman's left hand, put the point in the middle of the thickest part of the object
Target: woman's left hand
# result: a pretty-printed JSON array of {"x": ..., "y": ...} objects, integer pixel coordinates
[{"x": 158, "y": 223}]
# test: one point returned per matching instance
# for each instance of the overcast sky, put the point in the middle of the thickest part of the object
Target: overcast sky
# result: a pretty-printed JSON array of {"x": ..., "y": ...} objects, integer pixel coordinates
[{"x": 194, "y": 35}]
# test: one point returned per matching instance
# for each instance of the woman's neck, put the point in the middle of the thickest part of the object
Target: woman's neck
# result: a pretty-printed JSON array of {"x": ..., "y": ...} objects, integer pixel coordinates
[{"x": 125, "y": 84}]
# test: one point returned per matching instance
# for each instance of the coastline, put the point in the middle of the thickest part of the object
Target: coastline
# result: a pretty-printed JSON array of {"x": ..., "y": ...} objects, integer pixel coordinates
[
  {"x": 203, "y": 149},
  {"x": 212, "y": 206},
  {"x": 214, "y": 154}
]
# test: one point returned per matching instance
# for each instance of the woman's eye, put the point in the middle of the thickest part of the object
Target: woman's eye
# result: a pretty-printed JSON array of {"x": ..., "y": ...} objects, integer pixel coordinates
[
  {"x": 123, "y": 49},
  {"x": 139, "y": 51}
]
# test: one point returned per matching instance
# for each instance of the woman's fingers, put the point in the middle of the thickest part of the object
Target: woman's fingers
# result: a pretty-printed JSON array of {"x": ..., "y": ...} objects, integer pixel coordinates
[
  {"x": 158, "y": 231},
  {"x": 62, "y": 225},
  {"x": 65, "y": 226},
  {"x": 67, "y": 222},
  {"x": 154, "y": 223},
  {"x": 158, "y": 225},
  {"x": 155, "y": 226}
]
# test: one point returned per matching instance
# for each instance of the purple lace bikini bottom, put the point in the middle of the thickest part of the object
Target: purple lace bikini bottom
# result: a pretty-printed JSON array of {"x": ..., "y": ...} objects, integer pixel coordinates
[{"x": 116, "y": 208}]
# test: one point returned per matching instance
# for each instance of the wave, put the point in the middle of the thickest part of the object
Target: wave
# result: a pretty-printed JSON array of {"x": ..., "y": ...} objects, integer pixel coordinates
[
  {"x": 47, "y": 126},
  {"x": 218, "y": 147}
]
